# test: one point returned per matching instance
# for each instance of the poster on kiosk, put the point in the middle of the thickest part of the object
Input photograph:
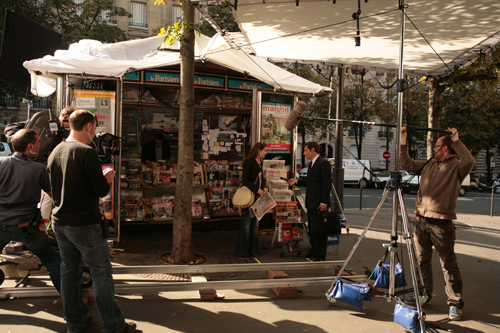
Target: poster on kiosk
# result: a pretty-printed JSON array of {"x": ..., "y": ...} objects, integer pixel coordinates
[
  {"x": 101, "y": 103},
  {"x": 275, "y": 110}
]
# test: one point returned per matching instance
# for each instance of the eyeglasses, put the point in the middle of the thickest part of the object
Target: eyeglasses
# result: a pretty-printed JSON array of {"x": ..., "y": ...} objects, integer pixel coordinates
[{"x": 438, "y": 146}]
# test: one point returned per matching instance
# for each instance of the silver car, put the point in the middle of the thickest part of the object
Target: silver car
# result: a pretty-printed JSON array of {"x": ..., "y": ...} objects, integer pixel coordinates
[{"x": 5, "y": 150}]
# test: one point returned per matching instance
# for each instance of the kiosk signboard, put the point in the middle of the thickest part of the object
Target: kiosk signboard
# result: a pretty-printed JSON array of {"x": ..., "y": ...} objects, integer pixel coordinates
[
  {"x": 275, "y": 110},
  {"x": 101, "y": 103}
]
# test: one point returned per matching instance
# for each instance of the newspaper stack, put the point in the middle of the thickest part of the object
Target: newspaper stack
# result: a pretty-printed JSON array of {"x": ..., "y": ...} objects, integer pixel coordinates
[{"x": 275, "y": 176}]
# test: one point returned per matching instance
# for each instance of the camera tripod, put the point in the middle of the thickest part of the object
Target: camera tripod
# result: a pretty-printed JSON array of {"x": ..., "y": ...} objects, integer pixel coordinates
[{"x": 394, "y": 185}]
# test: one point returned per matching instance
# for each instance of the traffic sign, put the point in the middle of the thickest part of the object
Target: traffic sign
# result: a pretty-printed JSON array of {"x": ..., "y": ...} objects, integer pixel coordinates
[{"x": 386, "y": 155}]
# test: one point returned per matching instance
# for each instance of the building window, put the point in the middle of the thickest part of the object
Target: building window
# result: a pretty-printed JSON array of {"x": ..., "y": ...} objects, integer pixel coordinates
[
  {"x": 176, "y": 14},
  {"x": 79, "y": 8},
  {"x": 353, "y": 152},
  {"x": 382, "y": 133},
  {"x": 138, "y": 10},
  {"x": 352, "y": 131},
  {"x": 106, "y": 17},
  {"x": 323, "y": 150}
]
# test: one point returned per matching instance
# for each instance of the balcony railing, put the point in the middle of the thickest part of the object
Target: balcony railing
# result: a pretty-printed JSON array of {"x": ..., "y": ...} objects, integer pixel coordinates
[
  {"x": 11, "y": 102},
  {"x": 42, "y": 103},
  {"x": 351, "y": 132},
  {"x": 138, "y": 24}
]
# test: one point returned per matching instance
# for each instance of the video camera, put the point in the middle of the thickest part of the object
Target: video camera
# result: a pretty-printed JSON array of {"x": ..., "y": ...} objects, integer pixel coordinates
[
  {"x": 49, "y": 131},
  {"x": 107, "y": 144}
]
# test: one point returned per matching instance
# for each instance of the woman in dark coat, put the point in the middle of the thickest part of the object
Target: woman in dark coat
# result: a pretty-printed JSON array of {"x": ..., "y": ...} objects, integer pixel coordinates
[{"x": 247, "y": 243}]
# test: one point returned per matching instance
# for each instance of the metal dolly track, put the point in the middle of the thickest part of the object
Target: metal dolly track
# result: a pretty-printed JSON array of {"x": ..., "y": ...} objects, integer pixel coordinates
[{"x": 122, "y": 287}]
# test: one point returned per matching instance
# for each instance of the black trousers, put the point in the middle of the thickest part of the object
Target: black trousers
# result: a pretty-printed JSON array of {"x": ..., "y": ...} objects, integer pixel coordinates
[{"x": 318, "y": 244}]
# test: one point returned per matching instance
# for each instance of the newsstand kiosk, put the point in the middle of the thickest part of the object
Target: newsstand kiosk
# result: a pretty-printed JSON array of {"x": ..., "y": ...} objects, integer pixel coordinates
[{"x": 133, "y": 89}]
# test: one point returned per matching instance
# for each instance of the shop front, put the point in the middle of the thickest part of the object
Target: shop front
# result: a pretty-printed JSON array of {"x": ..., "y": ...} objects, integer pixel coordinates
[{"x": 239, "y": 100}]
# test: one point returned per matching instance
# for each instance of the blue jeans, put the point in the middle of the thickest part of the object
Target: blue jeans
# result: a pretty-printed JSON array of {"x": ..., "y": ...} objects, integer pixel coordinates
[
  {"x": 87, "y": 241},
  {"x": 247, "y": 243},
  {"x": 38, "y": 243}
]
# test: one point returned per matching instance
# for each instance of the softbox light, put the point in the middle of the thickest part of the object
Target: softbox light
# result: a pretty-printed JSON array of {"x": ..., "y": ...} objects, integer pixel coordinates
[{"x": 24, "y": 39}]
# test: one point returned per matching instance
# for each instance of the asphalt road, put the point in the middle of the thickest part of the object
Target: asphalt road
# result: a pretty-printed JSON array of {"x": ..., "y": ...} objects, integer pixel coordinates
[{"x": 473, "y": 202}]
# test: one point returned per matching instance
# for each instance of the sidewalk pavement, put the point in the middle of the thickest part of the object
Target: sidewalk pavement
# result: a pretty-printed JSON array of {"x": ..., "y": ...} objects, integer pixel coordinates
[{"x": 260, "y": 310}]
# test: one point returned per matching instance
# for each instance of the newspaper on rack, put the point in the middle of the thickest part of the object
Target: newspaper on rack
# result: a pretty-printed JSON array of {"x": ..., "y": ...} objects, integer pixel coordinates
[
  {"x": 262, "y": 206},
  {"x": 282, "y": 195},
  {"x": 273, "y": 164},
  {"x": 278, "y": 185},
  {"x": 274, "y": 174}
]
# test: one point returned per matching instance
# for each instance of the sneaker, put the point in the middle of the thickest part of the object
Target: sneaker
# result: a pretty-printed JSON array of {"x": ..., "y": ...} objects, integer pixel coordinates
[
  {"x": 455, "y": 313},
  {"x": 411, "y": 300},
  {"x": 84, "y": 328},
  {"x": 129, "y": 328}
]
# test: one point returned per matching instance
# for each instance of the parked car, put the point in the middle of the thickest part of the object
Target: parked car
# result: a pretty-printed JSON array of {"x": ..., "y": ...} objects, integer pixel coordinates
[
  {"x": 381, "y": 176},
  {"x": 354, "y": 172},
  {"x": 5, "y": 150},
  {"x": 411, "y": 183}
]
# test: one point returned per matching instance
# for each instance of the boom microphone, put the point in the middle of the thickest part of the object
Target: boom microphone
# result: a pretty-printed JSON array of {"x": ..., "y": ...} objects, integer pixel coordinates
[{"x": 294, "y": 118}]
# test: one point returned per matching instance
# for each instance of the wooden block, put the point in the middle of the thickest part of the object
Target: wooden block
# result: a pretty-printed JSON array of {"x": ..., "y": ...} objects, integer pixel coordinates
[
  {"x": 276, "y": 275},
  {"x": 207, "y": 291},
  {"x": 207, "y": 297},
  {"x": 286, "y": 292}
]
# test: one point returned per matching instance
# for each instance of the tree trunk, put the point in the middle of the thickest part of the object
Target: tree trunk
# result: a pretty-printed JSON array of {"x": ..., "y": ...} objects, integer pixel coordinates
[
  {"x": 434, "y": 114},
  {"x": 182, "y": 247}
]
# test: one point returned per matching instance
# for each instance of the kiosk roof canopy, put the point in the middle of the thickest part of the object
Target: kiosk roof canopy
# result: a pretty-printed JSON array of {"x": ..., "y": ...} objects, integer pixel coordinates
[
  {"x": 323, "y": 32},
  {"x": 91, "y": 57}
]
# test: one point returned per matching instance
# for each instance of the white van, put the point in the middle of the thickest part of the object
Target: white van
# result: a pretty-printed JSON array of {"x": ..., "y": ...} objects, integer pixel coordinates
[{"x": 353, "y": 172}]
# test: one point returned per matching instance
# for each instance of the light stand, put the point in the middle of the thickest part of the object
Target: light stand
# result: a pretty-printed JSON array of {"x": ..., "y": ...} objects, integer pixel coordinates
[{"x": 398, "y": 204}]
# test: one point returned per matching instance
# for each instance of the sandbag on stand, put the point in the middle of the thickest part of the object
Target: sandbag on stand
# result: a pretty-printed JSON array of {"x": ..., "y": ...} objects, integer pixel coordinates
[{"x": 353, "y": 294}]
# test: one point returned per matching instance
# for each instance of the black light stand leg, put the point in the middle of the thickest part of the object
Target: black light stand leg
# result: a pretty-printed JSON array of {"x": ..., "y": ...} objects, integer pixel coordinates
[
  {"x": 414, "y": 267},
  {"x": 393, "y": 185},
  {"x": 331, "y": 300}
]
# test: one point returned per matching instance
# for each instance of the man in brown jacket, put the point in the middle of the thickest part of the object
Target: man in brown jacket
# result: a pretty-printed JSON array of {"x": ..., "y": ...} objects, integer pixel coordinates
[{"x": 436, "y": 205}]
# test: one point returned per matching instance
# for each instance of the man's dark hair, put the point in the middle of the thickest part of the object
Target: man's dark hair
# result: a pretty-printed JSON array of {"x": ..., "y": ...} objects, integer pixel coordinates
[
  {"x": 67, "y": 111},
  {"x": 80, "y": 118},
  {"x": 447, "y": 141},
  {"x": 159, "y": 136},
  {"x": 314, "y": 145},
  {"x": 22, "y": 139}
]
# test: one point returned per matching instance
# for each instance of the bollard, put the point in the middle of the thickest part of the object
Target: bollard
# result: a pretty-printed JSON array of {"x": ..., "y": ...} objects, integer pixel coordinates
[
  {"x": 492, "y": 199},
  {"x": 360, "y": 196}
]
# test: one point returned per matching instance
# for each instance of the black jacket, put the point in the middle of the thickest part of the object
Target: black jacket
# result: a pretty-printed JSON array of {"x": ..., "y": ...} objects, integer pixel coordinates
[
  {"x": 149, "y": 151},
  {"x": 318, "y": 183},
  {"x": 251, "y": 170}
]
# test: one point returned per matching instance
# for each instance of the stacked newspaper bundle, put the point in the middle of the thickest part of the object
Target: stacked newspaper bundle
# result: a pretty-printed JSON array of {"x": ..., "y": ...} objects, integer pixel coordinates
[{"x": 275, "y": 177}]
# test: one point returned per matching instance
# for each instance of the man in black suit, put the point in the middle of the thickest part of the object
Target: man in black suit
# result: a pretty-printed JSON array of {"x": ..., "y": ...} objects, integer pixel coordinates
[
  {"x": 155, "y": 150},
  {"x": 318, "y": 186}
]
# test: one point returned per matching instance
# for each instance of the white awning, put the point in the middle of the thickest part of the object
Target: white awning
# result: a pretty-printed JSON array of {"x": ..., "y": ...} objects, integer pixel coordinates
[
  {"x": 323, "y": 32},
  {"x": 114, "y": 60}
]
